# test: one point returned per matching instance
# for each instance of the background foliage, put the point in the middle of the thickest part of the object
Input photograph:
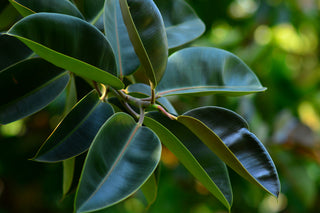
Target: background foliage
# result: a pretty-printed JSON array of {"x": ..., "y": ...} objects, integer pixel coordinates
[{"x": 279, "y": 40}]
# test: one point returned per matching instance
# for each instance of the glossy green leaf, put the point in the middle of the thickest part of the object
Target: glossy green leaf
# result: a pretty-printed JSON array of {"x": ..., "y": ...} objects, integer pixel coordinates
[
  {"x": 70, "y": 43},
  {"x": 121, "y": 158},
  {"x": 12, "y": 50},
  {"x": 227, "y": 135},
  {"x": 150, "y": 190},
  {"x": 143, "y": 90},
  {"x": 71, "y": 95},
  {"x": 206, "y": 71},
  {"x": 77, "y": 130},
  {"x": 117, "y": 34},
  {"x": 28, "y": 7},
  {"x": 147, "y": 34},
  {"x": 69, "y": 164},
  {"x": 8, "y": 15},
  {"x": 201, "y": 162},
  {"x": 92, "y": 10},
  {"x": 28, "y": 87},
  {"x": 181, "y": 22},
  {"x": 68, "y": 174}
]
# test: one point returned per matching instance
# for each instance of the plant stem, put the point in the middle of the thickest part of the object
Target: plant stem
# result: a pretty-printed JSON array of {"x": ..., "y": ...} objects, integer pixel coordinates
[
  {"x": 141, "y": 116},
  {"x": 163, "y": 111},
  {"x": 129, "y": 109},
  {"x": 96, "y": 86},
  {"x": 142, "y": 103},
  {"x": 133, "y": 100},
  {"x": 153, "y": 96}
]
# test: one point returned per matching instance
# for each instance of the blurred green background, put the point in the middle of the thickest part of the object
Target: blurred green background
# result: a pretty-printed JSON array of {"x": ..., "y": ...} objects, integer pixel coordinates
[{"x": 279, "y": 40}]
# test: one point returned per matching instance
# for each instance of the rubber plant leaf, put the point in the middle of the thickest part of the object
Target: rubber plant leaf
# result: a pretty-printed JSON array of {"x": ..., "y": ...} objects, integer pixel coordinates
[
  {"x": 147, "y": 33},
  {"x": 76, "y": 131},
  {"x": 28, "y": 7},
  {"x": 28, "y": 86},
  {"x": 91, "y": 10},
  {"x": 227, "y": 135},
  {"x": 206, "y": 71},
  {"x": 201, "y": 162},
  {"x": 150, "y": 190},
  {"x": 8, "y": 15},
  {"x": 12, "y": 50},
  {"x": 117, "y": 34},
  {"x": 181, "y": 22},
  {"x": 69, "y": 43},
  {"x": 122, "y": 157},
  {"x": 69, "y": 164}
]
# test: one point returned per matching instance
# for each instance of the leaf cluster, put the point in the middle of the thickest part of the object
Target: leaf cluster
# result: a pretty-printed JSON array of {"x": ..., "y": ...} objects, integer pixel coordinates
[{"x": 121, "y": 48}]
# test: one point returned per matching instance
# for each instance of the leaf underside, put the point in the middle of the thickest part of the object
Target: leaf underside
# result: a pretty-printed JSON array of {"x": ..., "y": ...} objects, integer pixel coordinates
[
  {"x": 201, "y": 162},
  {"x": 59, "y": 38}
]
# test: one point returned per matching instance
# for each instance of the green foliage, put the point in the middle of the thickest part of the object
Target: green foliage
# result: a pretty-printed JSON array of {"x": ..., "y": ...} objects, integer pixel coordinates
[{"x": 121, "y": 126}]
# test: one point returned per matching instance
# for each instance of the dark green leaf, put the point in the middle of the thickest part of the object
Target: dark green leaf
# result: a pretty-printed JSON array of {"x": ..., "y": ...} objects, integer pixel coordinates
[
  {"x": 143, "y": 90},
  {"x": 117, "y": 34},
  {"x": 202, "y": 163},
  {"x": 12, "y": 50},
  {"x": 28, "y": 87},
  {"x": 76, "y": 132},
  {"x": 147, "y": 34},
  {"x": 71, "y": 95},
  {"x": 227, "y": 135},
  {"x": 206, "y": 71},
  {"x": 8, "y": 15},
  {"x": 181, "y": 22},
  {"x": 91, "y": 10},
  {"x": 69, "y": 164},
  {"x": 150, "y": 189},
  {"x": 28, "y": 7},
  {"x": 121, "y": 158},
  {"x": 70, "y": 43},
  {"x": 68, "y": 174}
]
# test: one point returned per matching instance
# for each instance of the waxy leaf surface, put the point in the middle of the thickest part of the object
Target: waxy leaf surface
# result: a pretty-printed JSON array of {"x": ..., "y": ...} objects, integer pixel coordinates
[
  {"x": 121, "y": 158},
  {"x": 206, "y": 71},
  {"x": 28, "y": 7},
  {"x": 77, "y": 130},
  {"x": 91, "y": 10},
  {"x": 12, "y": 50},
  {"x": 181, "y": 22},
  {"x": 117, "y": 34},
  {"x": 29, "y": 86},
  {"x": 70, "y": 43},
  {"x": 69, "y": 164},
  {"x": 147, "y": 34},
  {"x": 202, "y": 163},
  {"x": 227, "y": 135},
  {"x": 150, "y": 189}
]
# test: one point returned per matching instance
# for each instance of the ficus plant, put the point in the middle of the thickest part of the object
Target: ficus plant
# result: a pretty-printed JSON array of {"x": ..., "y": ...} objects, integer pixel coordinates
[{"x": 133, "y": 54}]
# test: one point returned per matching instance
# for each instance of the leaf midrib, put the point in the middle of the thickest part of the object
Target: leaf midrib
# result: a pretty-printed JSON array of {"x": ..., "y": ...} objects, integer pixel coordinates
[
  {"x": 118, "y": 42},
  {"x": 118, "y": 158},
  {"x": 194, "y": 162},
  {"x": 73, "y": 129},
  {"x": 209, "y": 87},
  {"x": 98, "y": 70},
  {"x": 234, "y": 158}
]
